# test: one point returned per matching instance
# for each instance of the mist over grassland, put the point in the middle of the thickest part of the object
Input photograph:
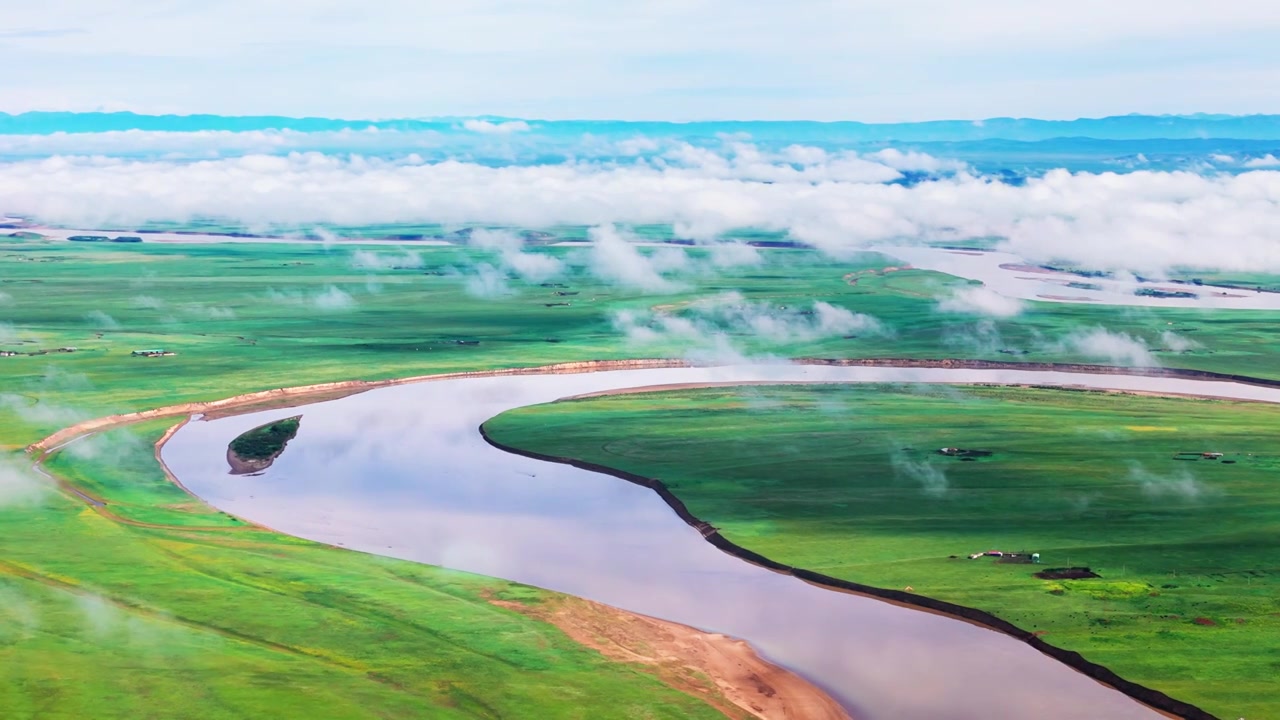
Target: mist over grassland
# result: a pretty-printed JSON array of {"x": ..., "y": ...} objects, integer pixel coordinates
[{"x": 257, "y": 316}]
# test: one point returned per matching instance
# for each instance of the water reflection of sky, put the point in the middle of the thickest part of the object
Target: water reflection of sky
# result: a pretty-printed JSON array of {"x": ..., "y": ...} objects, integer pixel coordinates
[{"x": 403, "y": 472}]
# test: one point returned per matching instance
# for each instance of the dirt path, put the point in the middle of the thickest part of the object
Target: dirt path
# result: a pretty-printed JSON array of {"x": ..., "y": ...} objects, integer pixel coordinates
[
  {"x": 290, "y": 396},
  {"x": 724, "y": 672}
]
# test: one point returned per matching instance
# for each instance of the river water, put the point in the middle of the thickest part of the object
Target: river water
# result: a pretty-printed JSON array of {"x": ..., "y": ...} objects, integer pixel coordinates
[
  {"x": 403, "y": 472},
  {"x": 1010, "y": 275}
]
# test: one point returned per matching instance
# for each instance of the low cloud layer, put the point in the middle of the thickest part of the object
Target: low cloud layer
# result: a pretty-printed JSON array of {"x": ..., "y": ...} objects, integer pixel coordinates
[
  {"x": 376, "y": 261},
  {"x": 1179, "y": 485},
  {"x": 101, "y": 321},
  {"x": 496, "y": 128},
  {"x": 981, "y": 301},
  {"x": 616, "y": 260},
  {"x": 487, "y": 282},
  {"x": 1266, "y": 161},
  {"x": 328, "y": 299},
  {"x": 1145, "y": 221},
  {"x": 1115, "y": 348},
  {"x": 531, "y": 266},
  {"x": 18, "y": 483},
  {"x": 728, "y": 327},
  {"x": 1174, "y": 342},
  {"x": 931, "y": 478}
]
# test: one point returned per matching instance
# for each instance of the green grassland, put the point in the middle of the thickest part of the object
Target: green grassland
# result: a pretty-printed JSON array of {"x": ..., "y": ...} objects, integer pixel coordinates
[
  {"x": 161, "y": 607},
  {"x": 848, "y": 481},
  {"x": 248, "y": 317},
  {"x": 236, "y": 619}
]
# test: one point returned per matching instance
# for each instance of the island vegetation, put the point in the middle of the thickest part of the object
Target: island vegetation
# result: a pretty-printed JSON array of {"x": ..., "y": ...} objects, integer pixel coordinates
[{"x": 255, "y": 450}]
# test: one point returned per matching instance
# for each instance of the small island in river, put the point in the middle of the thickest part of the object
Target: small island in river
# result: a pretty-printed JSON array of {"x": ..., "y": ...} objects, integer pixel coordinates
[{"x": 254, "y": 450}]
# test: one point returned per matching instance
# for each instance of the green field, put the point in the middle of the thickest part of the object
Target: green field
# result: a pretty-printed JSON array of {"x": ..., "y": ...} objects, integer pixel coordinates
[
  {"x": 235, "y": 618},
  {"x": 848, "y": 481},
  {"x": 160, "y": 607},
  {"x": 250, "y": 317}
]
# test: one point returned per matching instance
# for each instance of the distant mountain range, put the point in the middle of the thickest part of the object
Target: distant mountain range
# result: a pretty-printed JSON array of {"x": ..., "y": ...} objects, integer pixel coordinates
[{"x": 1122, "y": 127}]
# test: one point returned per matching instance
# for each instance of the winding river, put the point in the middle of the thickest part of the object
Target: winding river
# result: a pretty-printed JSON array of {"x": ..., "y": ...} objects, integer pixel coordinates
[{"x": 403, "y": 472}]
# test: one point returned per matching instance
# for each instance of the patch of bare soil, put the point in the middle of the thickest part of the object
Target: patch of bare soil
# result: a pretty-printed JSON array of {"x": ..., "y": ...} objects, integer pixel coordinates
[
  {"x": 724, "y": 672},
  {"x": 249, "y": 466},
  {"x": 1073, "y": 573}
]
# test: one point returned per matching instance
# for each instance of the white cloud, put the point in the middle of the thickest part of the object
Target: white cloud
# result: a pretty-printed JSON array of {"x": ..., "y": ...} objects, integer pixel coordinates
[
  {"x": 931, "y": 478},
  {"x": 734, "y": 254},
  {"x": 982, "y": 337},
  {"x": 101, "y": 320},
  {"x": 333, "y": 298},
  {"x": 804, "y": 154},
  {"x": 1178, "y": 485},
  {"x": 1146, "y": 221},
  {"x": 1117, "y": 348},
  {"x": 1178, "y": 343},
  {"x": 148, "y": 302},
  {"x": 981, "y": 300},
  {"x": 329, "y": 298},
  {"x": 912, "y": 160},
  {"x": 18, "y": 484},
  {"x": 487, "y": 282},
  {"x": 210, "y": 312},
  {"x": 730, "y": 322},
  {"x": 368, "y": 260},
  {"x": 38, "y": 411},
  {"x": 1266, "y": 161},
  {"x": 616, "y": 260},
  {"x": 498, "y": 128},
  {"x": 832, "y": 321},
  {"x": 532, "y": 266}
]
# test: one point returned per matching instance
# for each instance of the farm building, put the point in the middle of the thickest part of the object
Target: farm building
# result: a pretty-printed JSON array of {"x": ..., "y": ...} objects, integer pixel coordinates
[
  {"x": 1018, "y": 557},
  {"x": 151, "y": 353}
]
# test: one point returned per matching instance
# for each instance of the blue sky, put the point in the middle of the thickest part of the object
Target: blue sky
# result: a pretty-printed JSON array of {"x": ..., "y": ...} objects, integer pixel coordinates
[{"x": 870, "y": 60}]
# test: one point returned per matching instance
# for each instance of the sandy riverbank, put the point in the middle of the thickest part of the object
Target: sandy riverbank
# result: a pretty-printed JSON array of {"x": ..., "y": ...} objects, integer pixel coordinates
[{"x": 725, "y": 672}]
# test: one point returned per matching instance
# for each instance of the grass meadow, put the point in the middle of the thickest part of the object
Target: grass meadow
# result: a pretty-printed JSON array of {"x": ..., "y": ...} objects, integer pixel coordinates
[
  {"x": 158, "y": 602},
  {"x": 158, "y": 606},
  {"x": 848, "y": 481}
]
